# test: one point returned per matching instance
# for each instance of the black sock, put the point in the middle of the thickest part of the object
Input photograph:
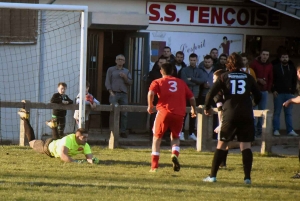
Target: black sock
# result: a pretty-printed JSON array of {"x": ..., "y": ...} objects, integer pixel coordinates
[
  {"x": 247, "y": 162},
  {"x": 218, "y": 157},
  {"x": 28, "y": 130},
  {"x": 55, "y": 133},
  {"x": 223, "y": 163}
]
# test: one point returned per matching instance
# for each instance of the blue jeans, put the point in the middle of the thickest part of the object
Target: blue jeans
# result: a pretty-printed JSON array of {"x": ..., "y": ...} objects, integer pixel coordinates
[
  {"x": 261, "y": 106},
  {"x": 121, "y": 99},
  {"x": 278, "y": 101}
]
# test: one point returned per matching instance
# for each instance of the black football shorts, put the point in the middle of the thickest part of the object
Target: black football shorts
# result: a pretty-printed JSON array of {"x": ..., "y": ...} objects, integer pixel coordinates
[{"x": 244, "y": 131}]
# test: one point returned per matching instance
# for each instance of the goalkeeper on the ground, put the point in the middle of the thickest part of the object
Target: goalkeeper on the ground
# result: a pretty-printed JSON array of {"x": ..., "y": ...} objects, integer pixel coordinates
[{"x": 64, "y": 148}]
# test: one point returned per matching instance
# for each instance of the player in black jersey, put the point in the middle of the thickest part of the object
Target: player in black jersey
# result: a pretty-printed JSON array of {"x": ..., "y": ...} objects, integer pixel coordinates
[{"x": 238, "y": 119}]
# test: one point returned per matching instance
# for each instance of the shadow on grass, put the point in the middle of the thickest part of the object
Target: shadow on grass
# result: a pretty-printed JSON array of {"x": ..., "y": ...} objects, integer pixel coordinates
[{"x": 139, "y": 163}]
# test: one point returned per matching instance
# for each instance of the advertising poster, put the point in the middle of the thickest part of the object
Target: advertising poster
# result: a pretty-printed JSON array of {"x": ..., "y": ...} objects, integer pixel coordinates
[{"x": 188, "y": 43}]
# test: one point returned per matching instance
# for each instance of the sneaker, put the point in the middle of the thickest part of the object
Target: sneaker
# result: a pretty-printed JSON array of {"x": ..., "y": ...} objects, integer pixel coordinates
[
  {"x": 296, "y": 176},
  {"x": 292, "y": 133},
  {"x": 181, "y": 136},
  {"x": 193, "y": 137},
  {"x": 210, "y": 179},
  {"x": 51, "y": 123},
  {"x": 23, "y": 114},
  {"x": 123, "y": 135},
  {"x": 247, "y": 181},
  {"x": 153, "y": 170},
  {"x": 276, "y": 133},
  {"x": 176, "y": 165}
]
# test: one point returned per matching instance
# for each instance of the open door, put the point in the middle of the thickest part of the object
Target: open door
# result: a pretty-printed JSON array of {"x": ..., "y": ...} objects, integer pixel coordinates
[{"x": 137, "y": 53}]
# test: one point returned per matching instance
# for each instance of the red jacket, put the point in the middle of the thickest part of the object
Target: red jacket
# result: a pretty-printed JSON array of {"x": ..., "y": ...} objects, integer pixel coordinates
[{"x": 263, "y": 71}]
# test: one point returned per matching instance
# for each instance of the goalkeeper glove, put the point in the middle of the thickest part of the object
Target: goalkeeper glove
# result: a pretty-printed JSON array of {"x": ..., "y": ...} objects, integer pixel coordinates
[{"x": 95, "y": 160}]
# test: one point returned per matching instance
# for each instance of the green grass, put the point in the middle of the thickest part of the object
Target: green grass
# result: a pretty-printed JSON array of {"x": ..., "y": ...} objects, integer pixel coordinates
[{"x": 123, "y": 175}]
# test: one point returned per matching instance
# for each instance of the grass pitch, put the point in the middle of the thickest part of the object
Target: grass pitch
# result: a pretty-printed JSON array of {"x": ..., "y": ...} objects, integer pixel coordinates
[{"x": 123, "y": 175}]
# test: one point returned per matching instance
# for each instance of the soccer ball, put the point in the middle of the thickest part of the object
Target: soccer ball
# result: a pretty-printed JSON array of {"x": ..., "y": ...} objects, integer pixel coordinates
[{"x": 89, "y": 98}]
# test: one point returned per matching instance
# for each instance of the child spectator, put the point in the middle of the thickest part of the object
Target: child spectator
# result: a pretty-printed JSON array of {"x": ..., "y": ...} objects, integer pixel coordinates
[
  {"x": 89, "y": 100},
  {"x": 59, "y": 115}
]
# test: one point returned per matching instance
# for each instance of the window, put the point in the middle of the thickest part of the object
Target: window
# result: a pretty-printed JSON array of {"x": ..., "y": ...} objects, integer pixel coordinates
[{"x": 18, "y": 26}]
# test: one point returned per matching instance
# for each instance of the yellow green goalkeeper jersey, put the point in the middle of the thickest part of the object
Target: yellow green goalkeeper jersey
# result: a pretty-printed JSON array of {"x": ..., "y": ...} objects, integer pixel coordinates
[{"x": 68, "y": 141}]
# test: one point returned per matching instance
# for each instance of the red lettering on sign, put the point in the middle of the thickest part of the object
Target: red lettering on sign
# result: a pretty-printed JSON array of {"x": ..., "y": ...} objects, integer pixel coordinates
[
  {"x": 227, "y": 11},
  {"x": 240, "y": 14},
  {"x": 154, "y": 12},
  {"x": 216, "y": 15},
  {"x": 171, "y": 15},
  {"x": 203, "y": 15},
  {"x": 192, "y": 10}
]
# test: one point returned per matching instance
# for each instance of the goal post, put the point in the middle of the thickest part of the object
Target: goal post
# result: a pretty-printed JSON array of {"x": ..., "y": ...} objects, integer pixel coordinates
[{"x": 51, "y": 49}]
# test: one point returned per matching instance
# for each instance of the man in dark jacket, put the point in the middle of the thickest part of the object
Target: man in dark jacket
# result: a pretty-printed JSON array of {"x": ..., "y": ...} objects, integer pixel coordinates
[
  {"x": 284, "y": 87},
  {"x": 178, "y": 64}
]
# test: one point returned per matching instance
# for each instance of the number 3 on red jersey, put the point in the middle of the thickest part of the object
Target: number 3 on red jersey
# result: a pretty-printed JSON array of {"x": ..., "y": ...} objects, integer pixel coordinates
[{"x": 173, "y": 86}]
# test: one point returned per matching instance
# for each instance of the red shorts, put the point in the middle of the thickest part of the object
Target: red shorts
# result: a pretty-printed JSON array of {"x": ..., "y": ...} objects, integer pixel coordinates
[{"x": 164, "y": 120}]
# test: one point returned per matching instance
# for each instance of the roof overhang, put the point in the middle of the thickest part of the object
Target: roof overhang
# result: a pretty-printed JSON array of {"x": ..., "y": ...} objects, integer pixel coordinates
[
  {"x": 290, "y": 8},
  {"x": 124, "y": 21}
]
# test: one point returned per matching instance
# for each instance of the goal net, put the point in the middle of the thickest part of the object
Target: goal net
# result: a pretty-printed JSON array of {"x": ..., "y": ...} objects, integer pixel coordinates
[{"x": 38, "y": 49}]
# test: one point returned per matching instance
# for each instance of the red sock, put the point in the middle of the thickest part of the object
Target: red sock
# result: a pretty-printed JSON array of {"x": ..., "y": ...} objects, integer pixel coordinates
[
  {"x": 154, "y": 160},
  {"x": 175, "y": 150}
]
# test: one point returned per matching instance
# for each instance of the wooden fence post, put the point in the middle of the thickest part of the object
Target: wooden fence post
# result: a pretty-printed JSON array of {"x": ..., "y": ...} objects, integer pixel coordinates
[
  {"x": 26, "y": 106},
  {"x": 114, "y": 121},
  {"x": 266, "y": 137},
  {"x": 204, "y": 130}
]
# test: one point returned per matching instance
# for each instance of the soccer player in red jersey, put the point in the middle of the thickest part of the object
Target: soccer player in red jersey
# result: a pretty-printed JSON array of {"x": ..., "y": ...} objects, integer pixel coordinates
[{"x": 172, "y": 95}]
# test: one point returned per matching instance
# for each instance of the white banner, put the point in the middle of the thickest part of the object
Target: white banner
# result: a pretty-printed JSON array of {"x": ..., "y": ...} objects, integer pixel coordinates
[
  {"x": 212, "y": 15},
  {"x": 188, "y": 43}
]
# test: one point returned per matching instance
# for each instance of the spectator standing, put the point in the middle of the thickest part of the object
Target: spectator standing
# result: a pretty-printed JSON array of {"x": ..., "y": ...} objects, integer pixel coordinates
[
  {"x": 117, "y": 81},
  {"x": 264, "y": 75},
  {"x": 207, "y": 73},
  {"x": 89, "y": 100},
  {"x": 221, "y": 64},
  {"x": 191, "y": 75},
  {"x": 214, "y": 53},
  {"x": 178, "y": 64},
  {"x": 284, "y": 87},
  {"x": 246, "y": 67},
  {"x": 167, "y": 54},
  {"x": 58, "y": 115}
]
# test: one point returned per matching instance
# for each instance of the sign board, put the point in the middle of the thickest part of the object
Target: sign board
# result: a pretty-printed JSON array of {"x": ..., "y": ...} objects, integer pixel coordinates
[
  {"x": 212, "y": 15},
  {"x": 198, "y": 43}
]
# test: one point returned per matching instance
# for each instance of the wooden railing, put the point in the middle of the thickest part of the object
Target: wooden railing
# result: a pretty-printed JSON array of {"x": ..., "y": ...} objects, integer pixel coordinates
[{"x": 204, "y": 125}]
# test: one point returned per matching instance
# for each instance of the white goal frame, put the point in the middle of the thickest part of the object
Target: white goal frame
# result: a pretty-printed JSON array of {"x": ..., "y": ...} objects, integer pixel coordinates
[{"x": 83, "y": 42}]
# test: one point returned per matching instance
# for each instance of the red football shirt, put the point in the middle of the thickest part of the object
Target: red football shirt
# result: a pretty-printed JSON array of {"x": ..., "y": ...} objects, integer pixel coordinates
[{"x": 172, "y": 94}]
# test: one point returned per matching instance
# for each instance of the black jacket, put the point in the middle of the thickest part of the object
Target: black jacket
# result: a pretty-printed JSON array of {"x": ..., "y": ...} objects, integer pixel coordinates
[
  {"x": 175, "y": 73},
  {"x": 284, "y": 79},
  {"x": 58, "y": 98}
]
